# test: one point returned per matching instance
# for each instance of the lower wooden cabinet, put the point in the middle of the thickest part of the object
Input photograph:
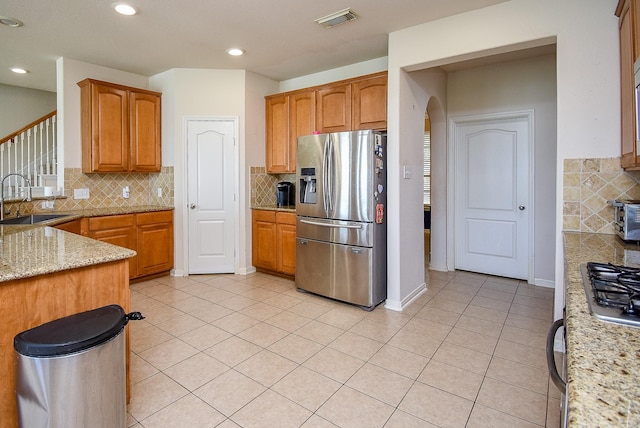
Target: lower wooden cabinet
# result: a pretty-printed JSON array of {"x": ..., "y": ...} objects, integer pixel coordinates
[
  {"x": 118, "y": 230},
  {"x": 274, "y": 241},
  {"x": 149, "y": 234},
  {"x": 154, "y": 242},
  {"x": 73, "y": 226}
]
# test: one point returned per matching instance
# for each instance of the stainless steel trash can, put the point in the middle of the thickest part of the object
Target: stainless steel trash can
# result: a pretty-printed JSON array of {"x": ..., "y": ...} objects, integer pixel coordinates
[{"x": 71, "y": 371}]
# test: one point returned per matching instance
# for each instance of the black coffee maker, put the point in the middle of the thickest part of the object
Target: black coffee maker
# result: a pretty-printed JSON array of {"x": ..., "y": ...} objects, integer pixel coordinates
[{"x": 286, "y": 194}]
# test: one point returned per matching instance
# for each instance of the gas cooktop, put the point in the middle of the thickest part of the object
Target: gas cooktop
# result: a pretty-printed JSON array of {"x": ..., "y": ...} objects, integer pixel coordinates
[{"x": 613, "y": 292}]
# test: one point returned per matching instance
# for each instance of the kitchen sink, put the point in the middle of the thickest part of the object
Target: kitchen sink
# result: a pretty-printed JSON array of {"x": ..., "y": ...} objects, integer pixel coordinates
[{"x": 33, "y": 218}]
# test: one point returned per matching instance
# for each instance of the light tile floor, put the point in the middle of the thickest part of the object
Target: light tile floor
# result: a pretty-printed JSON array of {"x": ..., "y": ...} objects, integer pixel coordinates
[{"x": 251, "y": 351}]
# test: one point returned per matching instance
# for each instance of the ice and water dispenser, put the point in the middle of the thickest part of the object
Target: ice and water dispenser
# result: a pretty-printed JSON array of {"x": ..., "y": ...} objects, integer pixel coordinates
[{"x": 308, "y": 188}]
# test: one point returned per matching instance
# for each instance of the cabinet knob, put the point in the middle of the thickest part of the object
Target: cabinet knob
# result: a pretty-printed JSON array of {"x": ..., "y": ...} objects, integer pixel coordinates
[
  {"x": 521, "y": 207},
  {"x": 192, "y": 206}
]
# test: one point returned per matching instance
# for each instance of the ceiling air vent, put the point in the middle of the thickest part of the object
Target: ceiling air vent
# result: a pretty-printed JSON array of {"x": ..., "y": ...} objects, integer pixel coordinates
[{"x": 337, "y": 18}]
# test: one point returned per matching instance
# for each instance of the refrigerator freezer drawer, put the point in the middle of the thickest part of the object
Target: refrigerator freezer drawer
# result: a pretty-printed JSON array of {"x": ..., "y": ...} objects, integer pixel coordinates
[
  {"x": 343, "y": 232},
  {"x": 341, "y": 272}
]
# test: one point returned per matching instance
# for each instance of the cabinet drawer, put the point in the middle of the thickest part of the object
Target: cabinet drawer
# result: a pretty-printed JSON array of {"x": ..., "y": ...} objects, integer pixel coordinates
[
  {"x": 264, "y": 215},
  {"x": 285, "y": 218},
  {"x": 112, "y": 222},
  {"x": 154, "y": 217}
]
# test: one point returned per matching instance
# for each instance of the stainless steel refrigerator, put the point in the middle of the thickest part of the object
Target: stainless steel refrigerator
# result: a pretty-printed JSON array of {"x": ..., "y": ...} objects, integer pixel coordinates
[{"x": 341, "y": 243}]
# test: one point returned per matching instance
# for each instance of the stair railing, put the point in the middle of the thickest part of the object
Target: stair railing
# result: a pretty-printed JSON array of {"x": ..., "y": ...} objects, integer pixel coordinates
[{"x": 30, "y": 151}]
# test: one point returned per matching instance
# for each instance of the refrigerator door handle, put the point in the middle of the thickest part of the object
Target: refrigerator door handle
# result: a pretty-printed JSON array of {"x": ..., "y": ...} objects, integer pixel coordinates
[
  {"x": 330, "y": 171},
  {"x": 325, "y": 175},
  {"x": 338, "y": 226}
]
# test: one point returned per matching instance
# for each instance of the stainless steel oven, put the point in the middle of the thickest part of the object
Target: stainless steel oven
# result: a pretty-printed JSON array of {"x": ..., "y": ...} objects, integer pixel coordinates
[{"x": 557, "y": 378}]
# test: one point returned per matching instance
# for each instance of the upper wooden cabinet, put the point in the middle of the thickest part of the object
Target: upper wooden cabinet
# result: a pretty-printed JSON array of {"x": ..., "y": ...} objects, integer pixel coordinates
[
  {"x": 288, "y": 117},
  {"x": 348, "y": 105},
  {"x": 120, "y": 128},
  {"x": 302, "y": 120},
  {"x": 333, "y": 107},
  {"x": 278, "y": 146},
  {"x": 369, "y": 105}
]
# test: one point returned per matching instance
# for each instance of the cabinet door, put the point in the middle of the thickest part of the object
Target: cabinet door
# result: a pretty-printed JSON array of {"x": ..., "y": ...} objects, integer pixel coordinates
[
  {"x": 286, "y": 242},
  {"x": 370, "y": 103},
  {"x": 635, "y": 15},
  {"x": 333, "y": 108},
  {"x": 155, "y": 242},
  {"x": 277, "y": 129},
  {"x": 302, "y": 121},
  {"x": 117, "y": 230},
  {"x": 145, "y": 153},
  {"x": 264, "y": 240},
  {"x": 73, "y": 226},
  {"x": 627, "y": 88},
  {"x": 105, "y": 129}
]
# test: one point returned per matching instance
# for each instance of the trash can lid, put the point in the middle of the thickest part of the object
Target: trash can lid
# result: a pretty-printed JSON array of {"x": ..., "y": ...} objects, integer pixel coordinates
[{"x": 71, "y": 334}]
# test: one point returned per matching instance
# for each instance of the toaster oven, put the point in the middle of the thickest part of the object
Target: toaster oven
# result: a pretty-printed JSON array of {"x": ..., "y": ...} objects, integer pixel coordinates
[{"x": 627, "y": 219}]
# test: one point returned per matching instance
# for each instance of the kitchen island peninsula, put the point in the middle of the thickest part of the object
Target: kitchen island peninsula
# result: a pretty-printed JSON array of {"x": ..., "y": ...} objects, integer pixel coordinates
[
  {"x": 46, "y": 274},
  {"x": 603, "y": 358}
]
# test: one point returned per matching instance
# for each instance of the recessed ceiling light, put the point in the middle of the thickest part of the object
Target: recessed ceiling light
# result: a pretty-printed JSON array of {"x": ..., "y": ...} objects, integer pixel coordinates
[
  {"x": 125, "y": 9},
  {"x": 235, "y": 51},
  {"x": 19, "y": 70},
  {"x": 10, "y": 22}
]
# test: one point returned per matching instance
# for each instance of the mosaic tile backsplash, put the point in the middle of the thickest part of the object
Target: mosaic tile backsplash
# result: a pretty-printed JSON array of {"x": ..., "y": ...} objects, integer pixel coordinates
[
  {"x": 587, "y": 186},
  {"x": 263, "y": 186},
  {"x": 105, "y": 190}
]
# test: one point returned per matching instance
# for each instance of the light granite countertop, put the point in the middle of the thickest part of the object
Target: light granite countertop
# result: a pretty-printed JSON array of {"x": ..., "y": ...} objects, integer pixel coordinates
[
  {"x": 30, "y": 250},
  {"x": 287, "y": 208},
  {"x": 603, "y": 359}
]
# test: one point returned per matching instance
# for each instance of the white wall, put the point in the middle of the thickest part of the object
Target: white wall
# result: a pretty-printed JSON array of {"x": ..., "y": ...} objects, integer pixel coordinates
[
  {"x": 212, "y": 93},
  {"x": 21, "y": 106},
  {"x": 405, "y": 281},
  {"x": 528, "y": 84},
  {"x": 254, "y": 153},
  {"x": 587, "y": 91},
  {"x": 69, "y": 73},
  {"x": 347, "y": 72}
]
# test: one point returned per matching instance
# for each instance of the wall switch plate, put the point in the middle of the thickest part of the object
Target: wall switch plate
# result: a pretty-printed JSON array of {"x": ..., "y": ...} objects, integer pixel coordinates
[
  {"x": 406, "y": 172},
  {"x": 80, "y": 193},
  {"x": 159, "y": 192}
]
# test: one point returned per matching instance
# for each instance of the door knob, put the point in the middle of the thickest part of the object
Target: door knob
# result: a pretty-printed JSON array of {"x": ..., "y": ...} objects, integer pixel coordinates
[
  {"x": 192, "y": 206},
  {"x": 521, "y": 207}
]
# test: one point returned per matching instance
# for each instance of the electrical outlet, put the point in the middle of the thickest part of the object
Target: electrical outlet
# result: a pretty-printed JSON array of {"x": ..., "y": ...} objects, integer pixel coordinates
[{"x": 80, "y": 193}]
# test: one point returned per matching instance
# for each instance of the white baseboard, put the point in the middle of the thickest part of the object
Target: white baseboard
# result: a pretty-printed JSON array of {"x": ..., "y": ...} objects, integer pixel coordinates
[
  {"x": 177, "y": 272},
  {"x": 547, "y": 283},
  {"x": 398, "y": 306},
  {"x": 439, "y": 268},
  {"x": 246, "y": 271}
]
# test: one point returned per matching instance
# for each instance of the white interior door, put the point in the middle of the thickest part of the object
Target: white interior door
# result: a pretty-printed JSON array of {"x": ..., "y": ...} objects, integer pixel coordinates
[
  {"x": 492, "y": 200},
  {"x": 210, "y": 162}
]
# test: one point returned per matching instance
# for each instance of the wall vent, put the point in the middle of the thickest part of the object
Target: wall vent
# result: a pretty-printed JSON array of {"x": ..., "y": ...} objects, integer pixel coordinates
[{"x": 337, "y": 18}]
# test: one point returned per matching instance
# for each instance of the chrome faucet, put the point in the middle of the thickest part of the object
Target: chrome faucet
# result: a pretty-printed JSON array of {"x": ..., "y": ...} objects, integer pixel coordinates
[{"x": 27, "y": 198}]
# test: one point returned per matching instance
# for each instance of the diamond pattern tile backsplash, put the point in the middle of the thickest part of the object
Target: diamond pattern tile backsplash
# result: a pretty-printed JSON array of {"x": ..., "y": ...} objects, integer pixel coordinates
[
  {"x": 587, "y": 186},
  {"x": 105, "y": 190},
  {"x": 263, "y": 186}
]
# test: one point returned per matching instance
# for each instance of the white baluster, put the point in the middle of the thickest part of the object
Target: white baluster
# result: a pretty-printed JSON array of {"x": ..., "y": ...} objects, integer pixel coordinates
[
  {"x": 47, "y": 167},
  {"x": 28, "y": 154},
  {"x": 54, "y": 149}
]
